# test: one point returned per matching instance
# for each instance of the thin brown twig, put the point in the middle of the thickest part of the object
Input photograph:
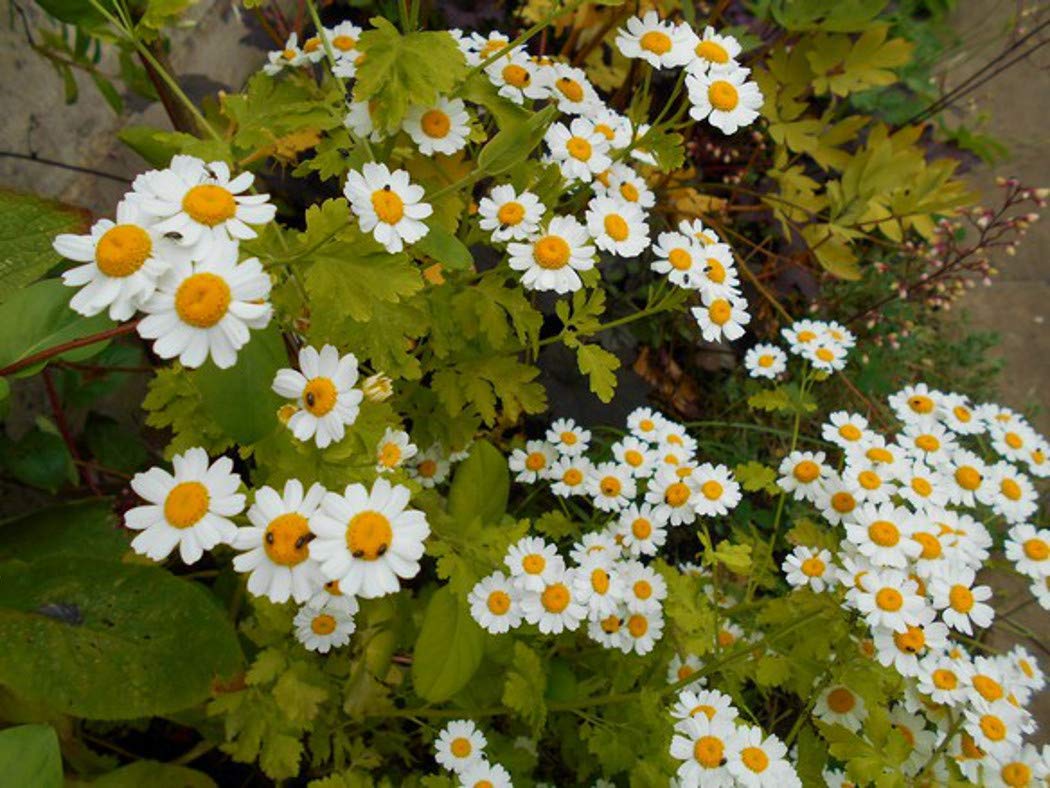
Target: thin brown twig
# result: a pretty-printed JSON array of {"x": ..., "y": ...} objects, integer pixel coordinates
[{"x": 65, "y": 347}]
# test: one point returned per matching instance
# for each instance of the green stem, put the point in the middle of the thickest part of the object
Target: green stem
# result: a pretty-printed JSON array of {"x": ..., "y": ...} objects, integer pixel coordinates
[
  {"x": 532, "y": 31},
  {"x": 329, "y": 52}
]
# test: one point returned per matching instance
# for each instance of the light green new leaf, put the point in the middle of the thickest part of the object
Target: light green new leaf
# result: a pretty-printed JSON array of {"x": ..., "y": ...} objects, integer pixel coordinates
[
  {"x": 600, "y": 366},
  {"x": 448, "y": 650},
  {"x": 29, "y": 756},
  {"x": 106, "y": 640},
  {"x": 28, "y": 225},
  {"x": 526, "y": 685},
  {"x": 754, "y": 476}
]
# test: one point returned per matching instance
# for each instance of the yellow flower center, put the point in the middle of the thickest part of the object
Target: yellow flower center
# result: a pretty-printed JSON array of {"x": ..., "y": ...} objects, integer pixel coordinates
[
  {"x": 390, "y": 455},
  {"x": 536, "y": 461},
  {"x": 841, "y": 700},
  {"x": 680, "y": 259},
  {"x": 186, "y": 504},
  {"x": 884, "y": 533},
  {"x": 1016, "y": 774},
  {"x": 765, "y": 361},
  {"x": 605, "y": 130},
  {"x": 905, "y": 731},
  {"x": 806, "y": 471},
  {"x": 754, "y": 759},
  {"x": 511, "y": 213},
  {"x": 703, "y": 708},
  {"x": 610, "y": 485},
  {"x": 642, "y": 589},
  {"x": 579, "y": 148},
  {"x": 289, "y": 54},
  {"x": 824, "y": 354},
  {"x": 928, "y": 442},
  {"x": 570, "y": 88},
  {"x": 968, "y": 477},
  {"x": 869, "y": 480},
  {"x": 368, "y": 535},
  {"x": 878, "y": 454},
  {"x": 286, "y": 539},
  {"x": 202, "y": 300},
  {"x": 723, "y": 95},
  {"x": 1013, "y": 440},
  {"x": 988, "y": 688},
  {"x": 944, "y": 679},
  {"x": 843, "y": 502},
  {"x": 498, "y": 603},
  {"x": 962, "y": 414},
  {"x": 712, "y": 52},
  {"x": 610, "y": 625},
  {"x": 806, "y": 336},
  {"x": 712, "y": 490},
  {"x": 850, "y": 432},
  {"x": 961, "y": 599},
  {"x": 319, "y": 396},
  {"x": 633, "y": 457},
  {"x": 813, "y": 567},
  {"x": 389, "y": 207},
  {"x": 460, "y": 747},
  {"x": 209, "y": 204},
  {"x": 716, "y": 272},
  {"x": 676, "y": 494},
  {"x": 656, "y": 42},
  {"x": 641, "y": 528},
  {"x": 323, "y": 624},
  {"x": 1038, "y": 457},
  {"x": 889, "y": 599},
  {"x": 921, "y": 486},
  {"x": 1010, "y": 489},
  {"x": 312, "y": 44},
  {"x": 534, "y": 563},
  {"x": 427, "y": 468},
  {"x": 646, "y": 425},
  {"x": 555, "y": 598},
  {"x": 1036, "y": 549},
  {"x": 921, "y": 404},
  {"x": 637, "y": 625},
  {"x": 572, "y": 477},
  {"x": 122, "y": 250},
  {"x": 492, "y": 47},
  {"x": 969, "y": 747},
  {"x": 913, "y": 641},
  {"x": 435, "y": 123},
  {"x": 719, "y": 312},
  {"x": 931, "y": 546},
  {"x": 993, "y": 727},
  {"x": 344, "y": 43},
  {"x": 709, "y": 751},
  {"x": 516, "y": 76},
  {"x": 1026, "y": 668},
  {"x": 551, "y": 252},
  {"x": 600, "y": 581},
  {"x": 616, "y": 228},
  {"x": 629, "y": 192},
  {"x": 726, "y": 638}
]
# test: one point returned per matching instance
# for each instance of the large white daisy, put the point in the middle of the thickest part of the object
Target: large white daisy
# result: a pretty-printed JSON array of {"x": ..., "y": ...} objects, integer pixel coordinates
[
  {"x": 550, "y": 260},
  {"x": 324, "y": 392}
]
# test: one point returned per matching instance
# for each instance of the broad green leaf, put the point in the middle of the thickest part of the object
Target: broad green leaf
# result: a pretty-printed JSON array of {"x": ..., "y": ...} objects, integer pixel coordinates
[
  {"x": 28, "y": 225},
  {"x": 73, "y": 12},
  {"x": 106, "y": 640},
  {"x": 399, "y": 71},
  {"x": 514, "y": 142},
  {"x": 155, "y": 775},
  {"x": 113, "y": 444},
  {"x": 448, "y": 650},
  {"x": 89, "y": 529},
  {"x": 481, "y": 485},
  {"x": 38, "y": 458},
  {"x": 29, "y": 757},
  {"x": 754, "y": 476},
  {"x": 240, "y": 400},
  {"x": 444, "y": 247},
  {"x": 157, "y": 146},
  {"x": 40, "y": 319}
]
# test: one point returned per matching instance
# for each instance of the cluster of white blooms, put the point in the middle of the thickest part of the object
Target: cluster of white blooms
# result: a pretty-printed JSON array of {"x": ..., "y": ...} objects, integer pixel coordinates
[
  {"x": 460, "y": 748},
  {"x": 913, "y": 510},
  {"x": 173, "y": 254},
  {"x": 317, "y": 547},
  {"x": 824, "y": 345},
  {"x": 596, "y": 149},
  {"x": 717, "y": 748}
]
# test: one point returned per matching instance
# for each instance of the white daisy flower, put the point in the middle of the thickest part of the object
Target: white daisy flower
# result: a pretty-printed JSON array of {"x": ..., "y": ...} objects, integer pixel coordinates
[
  {"x": 625, "y": 184},
  {"x": 988, "y": 681},
  {"x": 932, "y": 559},
  {"x": 606, "y": 631},
  {"x": 713, "y": 51},
  {"x": 313, "y": 51},
  {"x": 887, "y": 598},
  {"x": 679, "y": 257},
  {"x": 367, "y": 539},
  {"x": 1025, "y": 767},
  {"x": 846, "y": 429},
  {"x": 324, "y": 392},
  {"x": 920, "y": 741},
  {"x": 597, "y": 584},
  {"x": 495, "y": 603},
  {"x": 928, "y": 441},
  {"x": 944, "y": 679},
  {"x": 459, "y": 746},
  {"x": 644, "y": 588},
  {"x": 957, "y": 414},
  {"x": 882, "y": 534},
  {"x": 1029, "y": 550},
  {"x": 122, "y": 262},
  {"x": 610, "y": 486},
  {"x": 825, "y": 356},
  {"x": 711, "y": 703},
  {"x": 760, "y": 761},
  {"x": 679, "y": 669},
  {"x": 516, "y": 77},
  {"x": 485, "y": 775},
  {"x": 765, "y": 361},
  {"x": 288, "y": 57},
  {"x": 430, "y": 468},
  {"x": 702, "y": 745},
  {"x": 995, "y": 727},
  {"x": 959, "y": 600},
  {"x": 551, "y": 259},
  {"x": 802, "y": 474},
  {"x": 673, "y": 497},
  {"x": 916, "y": 403},
  {"x": 595, "y": 543},
  {"x": 322, "y": 629},
  {"x": 207, "y": 308},
  {"x": 343, "y": 38},
  {"x": 568, "y": 439},
  {"x": 1010, "y": 494},
  {"x": 532, "y": 463},
  {"x": 199, "y": 205},
  {"x": 276, "y": 548},
  {"x": 921, "y": 486},
  {"x": 330, "y": 595},
  {"x": 388, "y": 205},
  {"x": 189, "y": 508},
  {"x": 868, "y": 482},
  {"x": 579, "y": 150},
  {"x": 1038, "y": 460},
  {"x": 360, "y": 123},
  {"x": 569, "y": 87},
  {"x": 616, "y": 128},
  {"x": 718, "y": 276},
  {"x": 903, "y": 650},
  {"x": 393, "y": 449},
  {"x": 636, "y": 455},
  {"x": 836, "y": 500},
  {"x": 617, "y": 227},
  {"x": 717, "y": 491},
  {"x": 646, "y": 423},
  {"x": 510, "y": 216},
  {"x": 440, "y": 128},
  {"x": 839, "y": 705},
  {"x": 722, "y": 318},
  {"x": 482, "y": 47},
  {"x": 724, "y": 97},
  {"x": 533, "y": 563},
  {"x": 998, "y": 416},
  {"x": 555, "y": 607},
  {"x": 888, "y": 457},
  {"x": 642, "y": 529},
  {"x": 659, "y": 43},
  {"x": 807, "y": 567},
  {"x": 840, "y": 334},
  {"x": 965, "y": 477},
  {"x": 694, "y": 228},
  {"x": 568, "y": 476},
  {"x": 640, "y": 631}
]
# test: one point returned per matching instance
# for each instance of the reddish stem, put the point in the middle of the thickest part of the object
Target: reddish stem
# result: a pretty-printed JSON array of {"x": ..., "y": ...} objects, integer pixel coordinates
[{"x": 57, "y": 350}]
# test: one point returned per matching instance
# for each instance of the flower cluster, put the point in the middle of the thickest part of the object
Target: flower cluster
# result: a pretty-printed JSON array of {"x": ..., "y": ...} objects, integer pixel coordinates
[
  {"x": 316, "y": 547},
  {"x": 602, "y": 155},
  {"x": 912, "y": 510},
  {"x": 173, "y": 254},
  {"x": 823, "y": 344},
  {"x": 460, "y": 748}
]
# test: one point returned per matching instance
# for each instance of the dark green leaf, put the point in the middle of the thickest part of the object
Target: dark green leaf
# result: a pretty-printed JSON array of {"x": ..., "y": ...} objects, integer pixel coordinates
[
  {"x": 113, "y": 444},
  {"x": 88, "y": 529},
  {"x": 27, "y": 226},
  {"x": 154, "y": 775},
  {"x": 39, "y": 459},
  {"x": 514, "y": 142}
]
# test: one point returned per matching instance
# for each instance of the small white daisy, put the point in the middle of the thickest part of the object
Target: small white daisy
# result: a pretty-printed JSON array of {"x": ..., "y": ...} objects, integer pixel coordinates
[
  {"x": 550, "y": 260},
  {"x": 725, "y": 97},
  {"x": 610, "y": 486},
  {"x": 711, "y": 703},
  {"x": 916, "y": 403},
  {"x": 568, "y": 476},
  {"x": 759, "y": 761},
  {"x": 802, "y": 474},
  {"x": 388, "y": 205},
  {"x": 516, "y": 77},
  {"x": 322, "y": 629},
  {"x": 485, "y": 775},
  {"x": 533, "y": 563},
  {"x": 807, "y": 567},
  {"x": 702, "y": 745},
  {"x": 640, "y": 631},
  {"x": 717, "y": 491},
  {"x": 713, "y": 51},
  {"x": 659, "y": 43},
  {"x": 644, "y": 589},
  {"x": 722, "y": 318},
  {"x": 570, "y": 87},
  {"x": 887, "y": 598},
  {"x": 508, "y": 215},
  {"x": 393, "y": 449},
  {"x": 430, "y": 468},
  {"x": 597, "y": 583},
  {"x": 679, "y": 257},
  {"x": 442, "y": 127},
  {"x": 839, "y": 705},
  {"x": 459, "y": 746},
  {"x": 579, "y": 149},
  {"x": 495, "y": 603},
  {"x": 846, "y": 429},
  {"x": 555, "y": 607},
  {"x": 882, "y": 534},
  {"x": 325, "y": 396},
  {"x": 637, "y": 455},
  {"x": 1029, "y": 550},
  {"x": 960, "y": 601},
  {"x": 765, "y": 361},
  {"x": 617, "y": 227},
  {"x": 568, "y": 439},
  {"x": 533, "y": 462},
  {"x": 642, "y": 529}
]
